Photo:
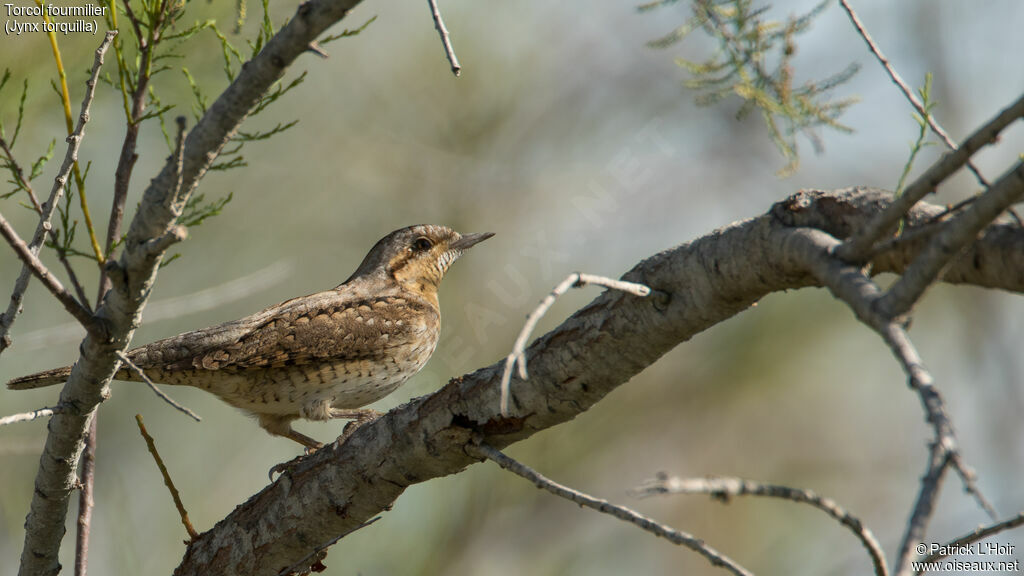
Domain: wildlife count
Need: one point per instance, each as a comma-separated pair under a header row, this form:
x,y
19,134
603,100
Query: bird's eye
x,y
422,244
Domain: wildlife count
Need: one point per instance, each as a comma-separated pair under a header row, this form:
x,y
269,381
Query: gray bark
x,y
696,285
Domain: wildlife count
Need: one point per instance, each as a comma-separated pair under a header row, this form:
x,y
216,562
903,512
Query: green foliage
x,y
198,209
922,134
195,211
17,177
922,122
346,33
747,42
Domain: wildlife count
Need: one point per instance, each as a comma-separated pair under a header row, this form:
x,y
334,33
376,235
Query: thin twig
x,y
858,246
957,233
28,416
979,533
312,558
622,513
877,51
74,142
85,500
65,97
19,177
574,280
160,393
32,262
723,488
167,479
849,283
445,40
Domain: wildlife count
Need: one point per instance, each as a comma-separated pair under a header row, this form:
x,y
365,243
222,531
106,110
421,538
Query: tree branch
x,y
622,513
445,40
955,234
857,248
133,275
33,264
28,416
571,368
925,115
74,142
725,488
979,533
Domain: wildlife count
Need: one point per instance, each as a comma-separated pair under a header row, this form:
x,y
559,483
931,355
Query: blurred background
x,y
578,145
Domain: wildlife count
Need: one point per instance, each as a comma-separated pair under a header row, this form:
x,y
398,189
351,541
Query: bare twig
x,y
858,246
319,553
574,280
65,97
19,177
137,269
848,283
167,479
954,236
28,416
723,488
622,513
32,262
85,500
877,51
973,536
160,393
74,142
445,40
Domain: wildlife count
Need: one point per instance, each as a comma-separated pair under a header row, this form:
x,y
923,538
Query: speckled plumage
x,y
320,356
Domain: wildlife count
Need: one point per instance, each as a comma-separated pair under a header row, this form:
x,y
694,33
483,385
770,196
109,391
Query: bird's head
x,y
417,257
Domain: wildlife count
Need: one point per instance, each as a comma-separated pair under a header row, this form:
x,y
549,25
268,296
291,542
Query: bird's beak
x,y
467,241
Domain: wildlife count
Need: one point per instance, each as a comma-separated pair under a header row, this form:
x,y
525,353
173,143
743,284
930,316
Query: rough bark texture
x,y
151,233
697,285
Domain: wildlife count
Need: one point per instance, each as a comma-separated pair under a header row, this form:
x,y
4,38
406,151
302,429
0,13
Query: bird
x,y
316,357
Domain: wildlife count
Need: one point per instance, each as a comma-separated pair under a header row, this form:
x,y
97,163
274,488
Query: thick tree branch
x,y
571,368
133,275
955,234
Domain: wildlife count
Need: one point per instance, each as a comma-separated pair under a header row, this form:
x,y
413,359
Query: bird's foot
x,y
288,466
359,417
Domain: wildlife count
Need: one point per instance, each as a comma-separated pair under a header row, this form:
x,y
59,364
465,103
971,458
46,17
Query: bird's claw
x,y
288,466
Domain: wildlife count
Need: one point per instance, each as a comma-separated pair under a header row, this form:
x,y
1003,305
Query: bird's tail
x,y
41,379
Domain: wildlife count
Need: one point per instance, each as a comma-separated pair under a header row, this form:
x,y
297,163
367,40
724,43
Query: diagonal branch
x,y
622,513
133,275
947,243
723,489
857,247
37,268
74,142
848,283
574,366
574,280
445,39
898,80
980,533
